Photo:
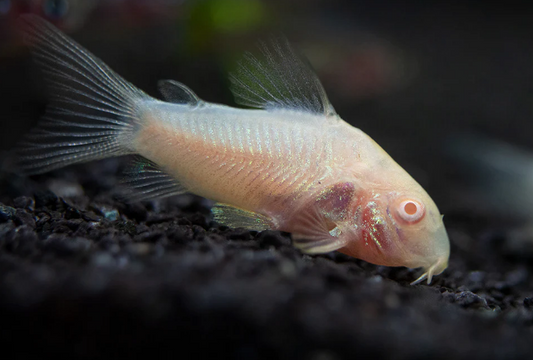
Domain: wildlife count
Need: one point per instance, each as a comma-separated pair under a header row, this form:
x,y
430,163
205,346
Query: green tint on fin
x,y
175,92
318,246
235,218
145,181
280,79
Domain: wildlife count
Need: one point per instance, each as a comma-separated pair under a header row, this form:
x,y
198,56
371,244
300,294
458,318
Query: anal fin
x,y
146,181
235,217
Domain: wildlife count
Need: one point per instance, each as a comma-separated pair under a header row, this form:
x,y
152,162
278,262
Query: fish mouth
x,y
438,262
438,267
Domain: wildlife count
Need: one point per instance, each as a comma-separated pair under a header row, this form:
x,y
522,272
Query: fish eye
x,y
411,211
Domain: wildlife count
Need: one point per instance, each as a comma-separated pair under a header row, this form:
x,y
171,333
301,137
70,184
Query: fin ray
x,y
146,181
176,92
314,234
92,111
317,245
235,217
280,80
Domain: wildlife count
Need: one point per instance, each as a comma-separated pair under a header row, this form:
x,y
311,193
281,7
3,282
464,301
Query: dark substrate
x,y
84,275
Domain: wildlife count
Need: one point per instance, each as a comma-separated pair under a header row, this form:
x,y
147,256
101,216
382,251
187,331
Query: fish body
x,y
292,164
257,160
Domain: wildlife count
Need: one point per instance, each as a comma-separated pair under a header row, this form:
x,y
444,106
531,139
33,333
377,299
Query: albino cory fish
x,y
291,165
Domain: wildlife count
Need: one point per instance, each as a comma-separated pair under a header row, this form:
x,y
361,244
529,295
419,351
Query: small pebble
x,y
45,198
111,215
6,212
23,218
24,202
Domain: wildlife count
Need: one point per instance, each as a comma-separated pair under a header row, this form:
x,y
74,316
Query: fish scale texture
x,y
83,275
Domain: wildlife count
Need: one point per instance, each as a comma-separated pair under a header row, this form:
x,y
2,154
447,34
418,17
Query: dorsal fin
x,y
146,181
176,92
280,79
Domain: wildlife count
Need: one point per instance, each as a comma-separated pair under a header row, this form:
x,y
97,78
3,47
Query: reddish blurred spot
x,y
358,70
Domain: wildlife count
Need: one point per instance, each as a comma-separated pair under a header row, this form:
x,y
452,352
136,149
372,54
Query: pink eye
x,y
411,211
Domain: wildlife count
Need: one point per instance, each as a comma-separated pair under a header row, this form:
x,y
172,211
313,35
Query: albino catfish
x,y
292,164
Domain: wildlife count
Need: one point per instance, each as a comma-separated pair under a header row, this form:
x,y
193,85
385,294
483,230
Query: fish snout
x,y
435,261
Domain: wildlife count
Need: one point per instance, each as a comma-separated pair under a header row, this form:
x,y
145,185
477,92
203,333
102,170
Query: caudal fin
x,y
93,112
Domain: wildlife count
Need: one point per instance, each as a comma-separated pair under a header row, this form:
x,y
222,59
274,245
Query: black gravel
x,y
86,276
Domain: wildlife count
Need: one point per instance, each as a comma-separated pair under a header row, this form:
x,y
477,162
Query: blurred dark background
x,y
445,87
408,74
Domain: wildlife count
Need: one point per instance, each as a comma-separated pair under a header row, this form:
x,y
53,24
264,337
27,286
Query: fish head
x,y
397,228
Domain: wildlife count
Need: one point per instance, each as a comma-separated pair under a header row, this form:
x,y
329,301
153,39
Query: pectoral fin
x,y
317,245
235,217
317,229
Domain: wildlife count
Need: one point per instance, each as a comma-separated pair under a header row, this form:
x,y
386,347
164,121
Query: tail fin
x,y
92,112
